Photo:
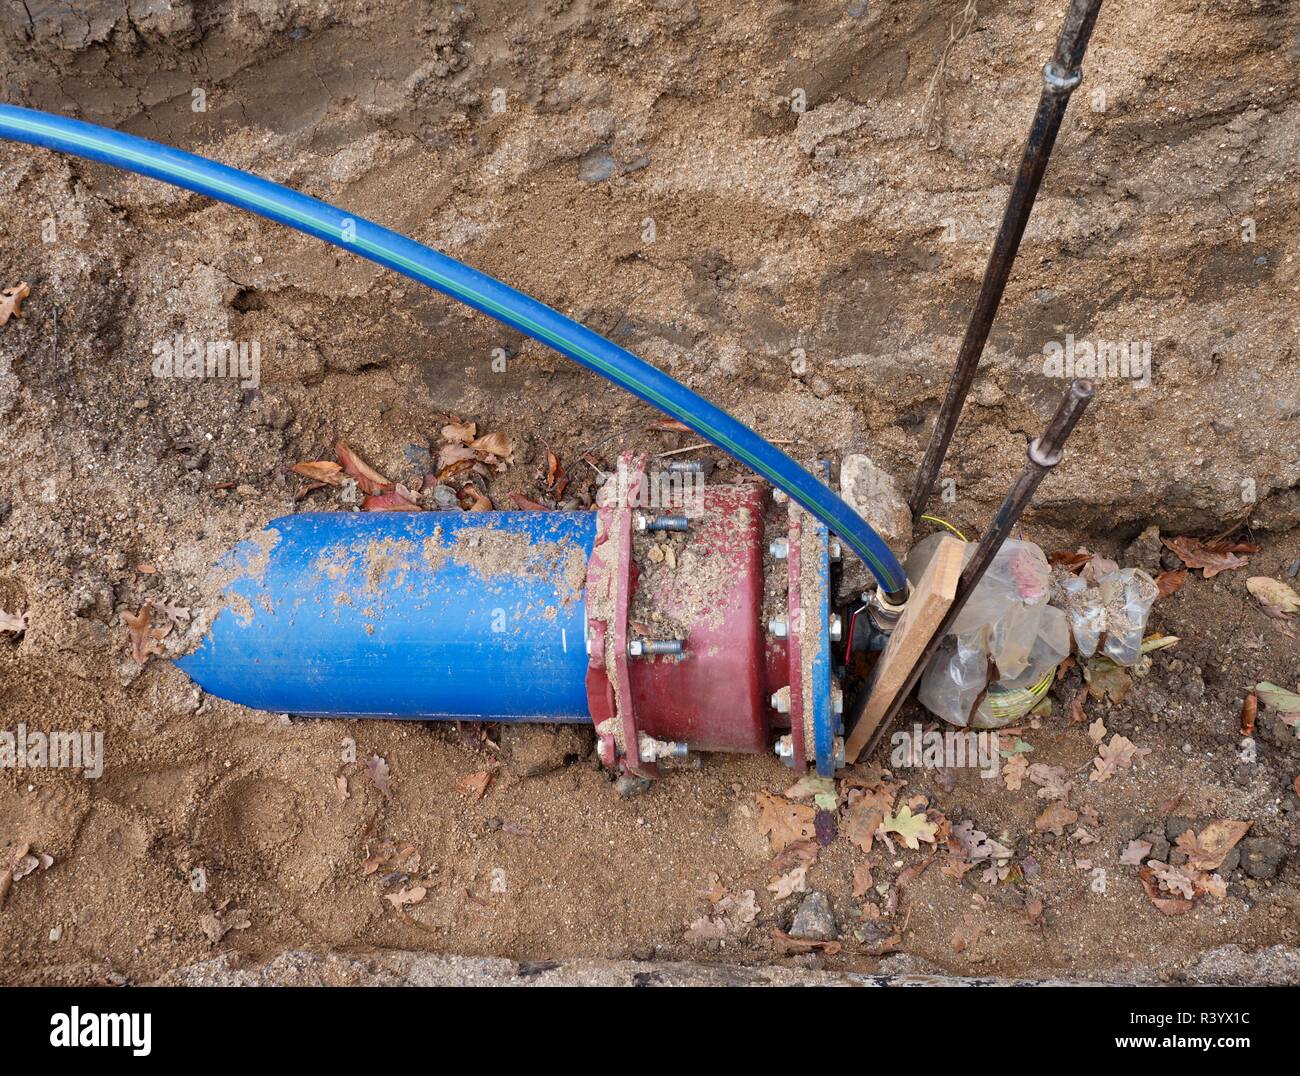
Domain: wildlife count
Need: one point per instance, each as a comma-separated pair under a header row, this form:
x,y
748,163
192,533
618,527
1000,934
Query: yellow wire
x,y
945,523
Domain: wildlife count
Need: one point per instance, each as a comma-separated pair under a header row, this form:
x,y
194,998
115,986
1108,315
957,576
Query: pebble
x,y
1262,857
814,919
596,166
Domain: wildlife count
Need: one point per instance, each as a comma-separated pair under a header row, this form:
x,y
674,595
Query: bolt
x,y
704,467
662,523
777,628
779,704
651,749
779,496
837,628
780,549
836,550
784,747
637,648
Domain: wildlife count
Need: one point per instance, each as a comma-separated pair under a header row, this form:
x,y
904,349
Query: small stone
x,y
1144,551
1176,825
1262,857
418,457
596,165
629,784
1159,846
814,919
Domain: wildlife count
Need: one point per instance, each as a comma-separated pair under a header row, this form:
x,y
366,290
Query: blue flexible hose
x,y
471,287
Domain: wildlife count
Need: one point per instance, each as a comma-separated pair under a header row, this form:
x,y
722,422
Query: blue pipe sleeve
x,y
459,281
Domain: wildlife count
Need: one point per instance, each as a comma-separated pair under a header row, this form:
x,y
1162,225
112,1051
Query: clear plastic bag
x,y
1006,630
999,660
1117,606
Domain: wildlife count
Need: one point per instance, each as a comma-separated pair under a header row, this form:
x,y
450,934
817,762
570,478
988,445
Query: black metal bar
x,y
1060,77
1044,453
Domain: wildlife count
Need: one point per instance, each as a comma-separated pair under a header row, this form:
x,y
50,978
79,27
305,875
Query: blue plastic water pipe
x,y
477,615
468,285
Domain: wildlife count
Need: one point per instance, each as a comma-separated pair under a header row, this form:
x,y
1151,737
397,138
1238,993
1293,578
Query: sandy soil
x,y
835,231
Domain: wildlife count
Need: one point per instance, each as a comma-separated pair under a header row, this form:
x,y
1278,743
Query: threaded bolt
x,y
662,523
777,628
780,549
638,648
837,628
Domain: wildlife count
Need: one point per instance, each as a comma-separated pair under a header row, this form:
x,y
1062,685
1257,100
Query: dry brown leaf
x,y
11,301
784,822
1135,852
1249,711
367,478
1051,781
910,874
863,882
1014,770
1210,559
500,445
1170,582
326,471
860,824
1071,561
786,885
454,459
880,797
403,897
1119,754
377,768
459,431
794,854
957,868
475,784
1056,818
145,639
1274,595
472,500
1167,905
1097,731
1207,850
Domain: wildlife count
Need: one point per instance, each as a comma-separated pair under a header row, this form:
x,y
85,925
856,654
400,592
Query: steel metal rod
x,y
1044,453
1060,77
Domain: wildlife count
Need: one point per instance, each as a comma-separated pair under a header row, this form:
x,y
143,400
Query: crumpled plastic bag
x,y
999,659
1118,606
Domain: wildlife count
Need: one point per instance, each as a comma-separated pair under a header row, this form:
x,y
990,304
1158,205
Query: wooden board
x,y
931,597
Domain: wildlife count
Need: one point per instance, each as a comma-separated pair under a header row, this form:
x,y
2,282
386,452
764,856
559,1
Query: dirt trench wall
x,y
831,234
